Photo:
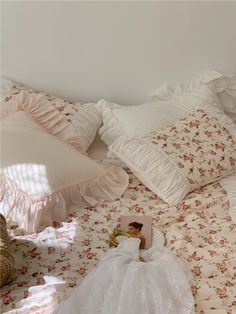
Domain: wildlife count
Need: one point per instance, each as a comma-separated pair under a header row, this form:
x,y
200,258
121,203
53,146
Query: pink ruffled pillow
x,y
70,121
41,177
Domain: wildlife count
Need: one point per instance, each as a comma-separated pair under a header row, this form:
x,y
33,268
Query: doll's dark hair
x,y
136,225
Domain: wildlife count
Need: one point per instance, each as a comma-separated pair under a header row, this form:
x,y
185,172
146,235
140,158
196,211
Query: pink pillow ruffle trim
x,y
34,215
46,115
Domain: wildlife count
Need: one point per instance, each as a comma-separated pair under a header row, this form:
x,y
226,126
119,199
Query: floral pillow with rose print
x,y
192,152
82,120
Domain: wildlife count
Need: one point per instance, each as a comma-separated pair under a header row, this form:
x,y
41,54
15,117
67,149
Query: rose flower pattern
x,y
202,148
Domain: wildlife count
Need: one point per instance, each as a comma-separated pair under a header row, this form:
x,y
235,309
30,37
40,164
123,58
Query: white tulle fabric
x,y
122,284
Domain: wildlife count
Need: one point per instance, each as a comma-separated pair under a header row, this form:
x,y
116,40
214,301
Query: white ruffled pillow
x,y
83,120
192,152
142,119
41,176
222,84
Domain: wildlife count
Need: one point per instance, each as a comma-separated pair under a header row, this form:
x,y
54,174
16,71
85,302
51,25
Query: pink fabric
x,y
46,115
34,215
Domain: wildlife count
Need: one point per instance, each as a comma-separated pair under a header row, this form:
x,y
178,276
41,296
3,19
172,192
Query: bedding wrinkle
x,y
229,184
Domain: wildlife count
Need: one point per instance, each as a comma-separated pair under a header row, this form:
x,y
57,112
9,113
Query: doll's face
x,y
133,230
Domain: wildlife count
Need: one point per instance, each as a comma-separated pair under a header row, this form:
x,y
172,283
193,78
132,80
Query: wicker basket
x,y
6,259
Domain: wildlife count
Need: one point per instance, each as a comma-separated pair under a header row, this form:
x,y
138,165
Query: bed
x,y
123,53
48,265
200,229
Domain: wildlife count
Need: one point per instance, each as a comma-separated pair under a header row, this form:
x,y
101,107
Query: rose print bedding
x,y
199,231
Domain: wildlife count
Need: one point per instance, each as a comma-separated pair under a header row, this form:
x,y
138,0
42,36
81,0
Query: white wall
x,y
116,50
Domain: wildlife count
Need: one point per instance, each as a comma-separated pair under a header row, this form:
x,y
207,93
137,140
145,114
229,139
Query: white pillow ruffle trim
x,y
223,84
219,82
111,128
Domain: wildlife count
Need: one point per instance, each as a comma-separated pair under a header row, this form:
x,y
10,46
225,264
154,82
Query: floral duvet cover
x,y
199,231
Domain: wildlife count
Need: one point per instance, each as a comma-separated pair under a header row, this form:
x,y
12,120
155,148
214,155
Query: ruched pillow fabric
x,y
192,152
